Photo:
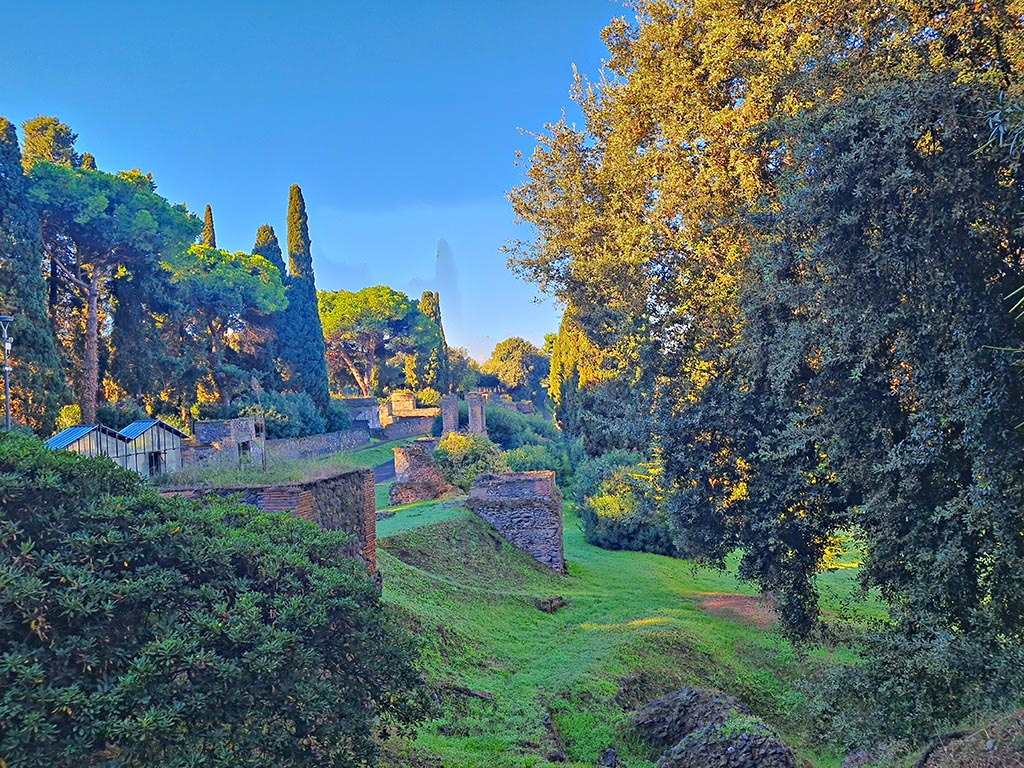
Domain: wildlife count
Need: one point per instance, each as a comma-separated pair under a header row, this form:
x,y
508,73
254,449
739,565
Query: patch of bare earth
x,y
757,610
997,745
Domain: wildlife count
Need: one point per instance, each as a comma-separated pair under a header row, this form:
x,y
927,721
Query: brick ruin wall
x,y
526,508
343,502
416,477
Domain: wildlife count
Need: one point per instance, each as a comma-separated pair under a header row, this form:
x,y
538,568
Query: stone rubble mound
x,y
703,728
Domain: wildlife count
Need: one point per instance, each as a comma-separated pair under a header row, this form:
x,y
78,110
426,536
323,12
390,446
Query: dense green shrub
x,y
338,416
141,631
428,397
510,428
914,684
589,473
462,457
527,458
288,414
619,506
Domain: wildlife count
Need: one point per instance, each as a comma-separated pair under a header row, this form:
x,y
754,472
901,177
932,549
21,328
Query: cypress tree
x,y
38,387
88,162
430,305
302,336
269,248
209,235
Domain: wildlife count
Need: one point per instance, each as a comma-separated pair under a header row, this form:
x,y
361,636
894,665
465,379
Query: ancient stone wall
x,y
477,414
342,502
363,409
416,477
449,414
526,508
409,427
228,442
293,448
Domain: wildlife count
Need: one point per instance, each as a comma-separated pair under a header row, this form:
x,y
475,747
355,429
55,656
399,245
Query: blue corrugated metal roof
x,y
72,435
136,428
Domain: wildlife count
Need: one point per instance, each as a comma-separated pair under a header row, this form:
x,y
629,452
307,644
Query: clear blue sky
x,y
400,121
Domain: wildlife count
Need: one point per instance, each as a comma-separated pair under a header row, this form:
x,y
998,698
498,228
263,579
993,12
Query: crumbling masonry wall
x,y
342,502
526,508
416,477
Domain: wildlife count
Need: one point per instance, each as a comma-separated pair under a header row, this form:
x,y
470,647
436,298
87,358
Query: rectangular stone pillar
x,y
449,414
477,415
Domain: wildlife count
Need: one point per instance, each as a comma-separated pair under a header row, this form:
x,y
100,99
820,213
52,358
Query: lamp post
x,y
5,321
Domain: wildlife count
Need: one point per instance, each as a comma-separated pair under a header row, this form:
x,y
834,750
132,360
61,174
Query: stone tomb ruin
x,y
526,508
477,414
416,477
345,501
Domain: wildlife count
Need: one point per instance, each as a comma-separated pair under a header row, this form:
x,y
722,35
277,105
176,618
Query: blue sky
x,y
400,122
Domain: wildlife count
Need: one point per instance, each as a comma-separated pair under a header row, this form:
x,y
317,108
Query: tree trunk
x,y
357,377
91,364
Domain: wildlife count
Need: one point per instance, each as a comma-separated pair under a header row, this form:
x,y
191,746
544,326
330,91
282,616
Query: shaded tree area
x,y
37,379
378,340
520,368
133,303
780,224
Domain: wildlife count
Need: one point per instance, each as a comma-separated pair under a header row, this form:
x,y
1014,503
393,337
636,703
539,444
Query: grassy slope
x,y
282,471
634,629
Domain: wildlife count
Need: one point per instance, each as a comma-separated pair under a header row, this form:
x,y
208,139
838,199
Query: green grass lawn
x,y
635,628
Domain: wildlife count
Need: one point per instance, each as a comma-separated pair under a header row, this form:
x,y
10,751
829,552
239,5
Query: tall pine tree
x,y
209,235
301,334
37,381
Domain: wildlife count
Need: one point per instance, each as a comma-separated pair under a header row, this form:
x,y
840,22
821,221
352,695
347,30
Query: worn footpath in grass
x,y
518,686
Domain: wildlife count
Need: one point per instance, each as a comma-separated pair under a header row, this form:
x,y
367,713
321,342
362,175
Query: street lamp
x,y
5,321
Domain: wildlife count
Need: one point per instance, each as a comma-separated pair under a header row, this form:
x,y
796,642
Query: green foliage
x,y
209,236
549,456
462,457
38,387
49,140
136,629
339,418
521,368
794,231
300,333
624,512
510,429
101,231
228,301
288,414
379,340
120,414
428,397
463,371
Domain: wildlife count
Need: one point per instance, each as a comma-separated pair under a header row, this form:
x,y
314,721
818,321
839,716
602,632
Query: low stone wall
x,y
413,426
317,445
526,508
342,502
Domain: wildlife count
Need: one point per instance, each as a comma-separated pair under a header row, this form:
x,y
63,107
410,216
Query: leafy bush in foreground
x,y
141,631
